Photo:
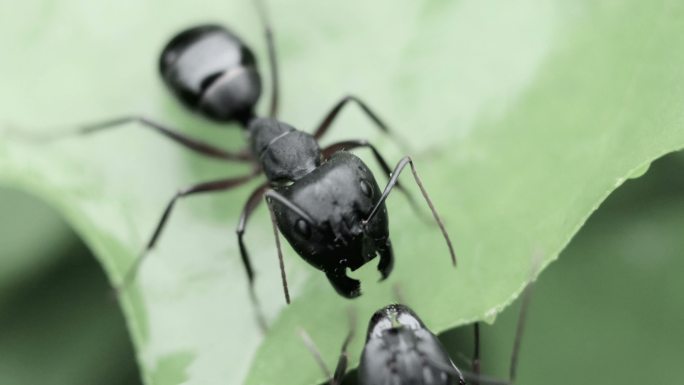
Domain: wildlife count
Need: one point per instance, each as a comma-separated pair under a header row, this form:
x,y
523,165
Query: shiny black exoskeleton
x,y
213,72
401,350
325,201
322,201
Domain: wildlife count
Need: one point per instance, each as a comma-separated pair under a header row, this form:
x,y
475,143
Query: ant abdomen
x,y
213,72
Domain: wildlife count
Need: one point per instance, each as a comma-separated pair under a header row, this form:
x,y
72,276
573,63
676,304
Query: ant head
x,y
337,197
393,318
285,154
213,72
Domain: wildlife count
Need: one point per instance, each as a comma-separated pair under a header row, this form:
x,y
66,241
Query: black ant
x,y
400,349
325,201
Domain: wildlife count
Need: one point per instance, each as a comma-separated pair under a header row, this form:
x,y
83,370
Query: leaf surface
x,y
522,115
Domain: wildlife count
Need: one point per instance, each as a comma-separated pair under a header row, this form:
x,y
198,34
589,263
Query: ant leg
x,y
214,186
195,145
332,114
392,183
386,259
272,194
272,57
519,331
342,361
343,284
476,377
476,352
352,144
250,206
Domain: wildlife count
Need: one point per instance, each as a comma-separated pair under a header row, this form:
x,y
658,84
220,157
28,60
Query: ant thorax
x,y
284,153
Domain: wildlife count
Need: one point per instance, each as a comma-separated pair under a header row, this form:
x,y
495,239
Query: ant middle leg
x,y
188,142
252,203
323,127
214,186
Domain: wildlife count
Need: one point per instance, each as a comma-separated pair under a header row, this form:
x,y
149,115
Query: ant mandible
x,y
326,202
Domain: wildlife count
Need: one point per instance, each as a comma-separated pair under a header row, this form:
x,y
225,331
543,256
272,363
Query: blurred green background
x,y
609,311
59,323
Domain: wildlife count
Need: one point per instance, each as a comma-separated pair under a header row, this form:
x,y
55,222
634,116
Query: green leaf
x,y
56,324
613,300
523,116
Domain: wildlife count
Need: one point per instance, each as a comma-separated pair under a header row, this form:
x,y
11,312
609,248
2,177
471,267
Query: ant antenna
x,y
273,62
398,291
393,182
283,276
311,346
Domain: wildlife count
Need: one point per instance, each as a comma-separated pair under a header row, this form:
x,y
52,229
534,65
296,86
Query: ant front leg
x,y
215,186
332,115
252,203
192,144
476,352
393,182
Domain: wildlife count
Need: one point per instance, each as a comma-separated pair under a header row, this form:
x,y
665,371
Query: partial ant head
x,y
213,72
401,350
393,317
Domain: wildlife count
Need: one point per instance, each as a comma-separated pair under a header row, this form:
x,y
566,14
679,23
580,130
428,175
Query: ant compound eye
x,y
366,188
303,228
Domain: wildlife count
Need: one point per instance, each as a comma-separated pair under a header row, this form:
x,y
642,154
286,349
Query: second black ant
x,y
325,201
399,349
